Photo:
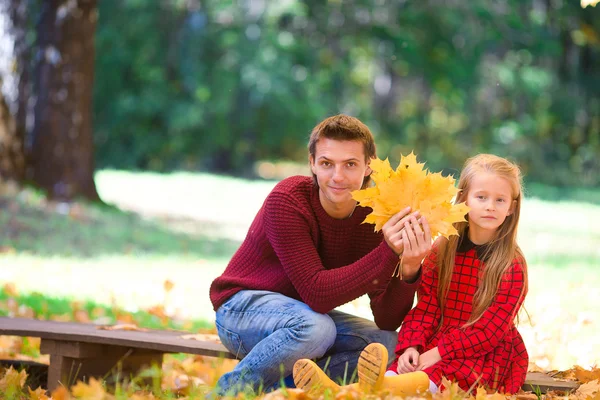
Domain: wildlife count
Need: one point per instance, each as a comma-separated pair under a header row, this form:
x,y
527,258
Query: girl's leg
x,y
353,335
269,332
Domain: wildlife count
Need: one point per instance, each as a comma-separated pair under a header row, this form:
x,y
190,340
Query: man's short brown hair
x,y
343,127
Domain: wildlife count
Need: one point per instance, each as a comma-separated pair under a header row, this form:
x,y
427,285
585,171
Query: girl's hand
x,y
393,230
408,361
429,358
416,243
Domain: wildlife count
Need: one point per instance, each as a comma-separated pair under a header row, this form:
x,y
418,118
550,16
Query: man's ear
x,y
311,161
368,171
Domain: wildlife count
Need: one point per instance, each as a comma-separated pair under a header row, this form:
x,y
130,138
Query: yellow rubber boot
x,y
371,367
409,384
309,377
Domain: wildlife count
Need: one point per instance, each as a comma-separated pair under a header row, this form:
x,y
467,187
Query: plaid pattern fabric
x,y
490,352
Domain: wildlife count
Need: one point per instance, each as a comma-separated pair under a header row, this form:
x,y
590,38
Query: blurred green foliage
x,y
217,85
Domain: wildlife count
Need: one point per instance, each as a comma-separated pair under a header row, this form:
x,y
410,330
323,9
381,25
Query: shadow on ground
x,y
31,224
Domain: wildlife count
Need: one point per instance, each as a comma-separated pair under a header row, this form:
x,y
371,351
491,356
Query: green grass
x,y
34,226
46,307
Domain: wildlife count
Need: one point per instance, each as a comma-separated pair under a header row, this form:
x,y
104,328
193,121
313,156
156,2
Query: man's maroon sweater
x,y
295,248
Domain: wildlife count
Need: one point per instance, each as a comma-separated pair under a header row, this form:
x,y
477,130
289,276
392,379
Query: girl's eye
x,y
481,197
501,200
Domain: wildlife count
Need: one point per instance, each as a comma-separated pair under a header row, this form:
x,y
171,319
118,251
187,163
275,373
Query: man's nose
x,y
338,172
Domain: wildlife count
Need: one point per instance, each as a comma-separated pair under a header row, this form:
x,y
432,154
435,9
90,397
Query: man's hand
x,y
408,361
429,358
393,229
416,243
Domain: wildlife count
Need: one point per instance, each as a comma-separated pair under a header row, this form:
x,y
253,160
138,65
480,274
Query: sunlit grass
x,y
186,227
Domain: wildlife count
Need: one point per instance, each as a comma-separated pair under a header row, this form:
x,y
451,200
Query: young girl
x,y
472,287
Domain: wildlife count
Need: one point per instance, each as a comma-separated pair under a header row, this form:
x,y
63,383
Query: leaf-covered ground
x,y
180,237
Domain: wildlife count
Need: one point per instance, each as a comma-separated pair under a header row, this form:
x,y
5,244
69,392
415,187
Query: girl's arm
x,y
421,321
485,334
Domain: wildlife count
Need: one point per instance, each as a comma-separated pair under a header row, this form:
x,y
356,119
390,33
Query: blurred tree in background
x,y
217,85
50,83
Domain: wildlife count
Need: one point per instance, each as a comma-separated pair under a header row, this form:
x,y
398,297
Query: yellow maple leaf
x,y
410,185
38,394
90,391
12,380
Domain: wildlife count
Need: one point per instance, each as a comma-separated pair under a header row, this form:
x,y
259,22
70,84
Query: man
x,y
306,253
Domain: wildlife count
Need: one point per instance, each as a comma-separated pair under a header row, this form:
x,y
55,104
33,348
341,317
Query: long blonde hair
x,y
502,249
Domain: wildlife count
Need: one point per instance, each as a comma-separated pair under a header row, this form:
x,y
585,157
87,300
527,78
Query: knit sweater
x,y
295,248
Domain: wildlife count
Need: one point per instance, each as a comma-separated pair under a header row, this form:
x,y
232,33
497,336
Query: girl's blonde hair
x,y
502,249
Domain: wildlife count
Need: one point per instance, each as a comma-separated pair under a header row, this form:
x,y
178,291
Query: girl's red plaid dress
x,y
489,352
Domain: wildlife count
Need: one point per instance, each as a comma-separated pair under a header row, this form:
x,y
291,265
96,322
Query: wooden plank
x,y
159,340
71,349
543,382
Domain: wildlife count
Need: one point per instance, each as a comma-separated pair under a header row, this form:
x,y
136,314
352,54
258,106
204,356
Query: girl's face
x,y
491,201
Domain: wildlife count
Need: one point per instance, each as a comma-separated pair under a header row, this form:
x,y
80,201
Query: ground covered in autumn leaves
x,y
89,256
189,376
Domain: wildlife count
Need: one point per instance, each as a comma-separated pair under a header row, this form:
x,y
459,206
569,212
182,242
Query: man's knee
x,y
318,332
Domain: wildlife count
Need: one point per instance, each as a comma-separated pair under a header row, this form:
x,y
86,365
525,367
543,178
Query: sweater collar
x,y
465,244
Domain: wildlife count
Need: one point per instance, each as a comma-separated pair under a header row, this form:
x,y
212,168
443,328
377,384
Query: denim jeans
x,y
269,332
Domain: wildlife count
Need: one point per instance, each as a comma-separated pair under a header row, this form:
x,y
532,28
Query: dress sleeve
x,y
485,334
288,230
421,321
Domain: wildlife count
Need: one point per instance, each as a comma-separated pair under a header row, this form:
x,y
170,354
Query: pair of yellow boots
x,y
372,365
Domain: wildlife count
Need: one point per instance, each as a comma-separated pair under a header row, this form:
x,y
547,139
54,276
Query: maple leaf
x,y
38,394
589,390
60,393
121,327
12,380
90,391
411,186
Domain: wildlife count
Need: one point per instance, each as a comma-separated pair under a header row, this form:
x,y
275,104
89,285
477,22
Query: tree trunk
x,y
62,157
13,78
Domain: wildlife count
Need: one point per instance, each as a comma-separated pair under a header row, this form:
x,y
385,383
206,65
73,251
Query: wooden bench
x,y
80,351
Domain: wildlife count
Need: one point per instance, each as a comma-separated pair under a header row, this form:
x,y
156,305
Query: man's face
x,y
340,168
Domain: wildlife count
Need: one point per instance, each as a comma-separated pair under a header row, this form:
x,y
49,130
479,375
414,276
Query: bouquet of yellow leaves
x,y
411,185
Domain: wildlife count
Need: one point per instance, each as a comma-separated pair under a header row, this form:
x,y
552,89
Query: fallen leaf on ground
x,y
122,327
12,380
203,337
90,391
37,394
589,389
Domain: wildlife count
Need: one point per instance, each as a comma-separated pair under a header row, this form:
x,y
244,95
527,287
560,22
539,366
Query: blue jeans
x,y
269,332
